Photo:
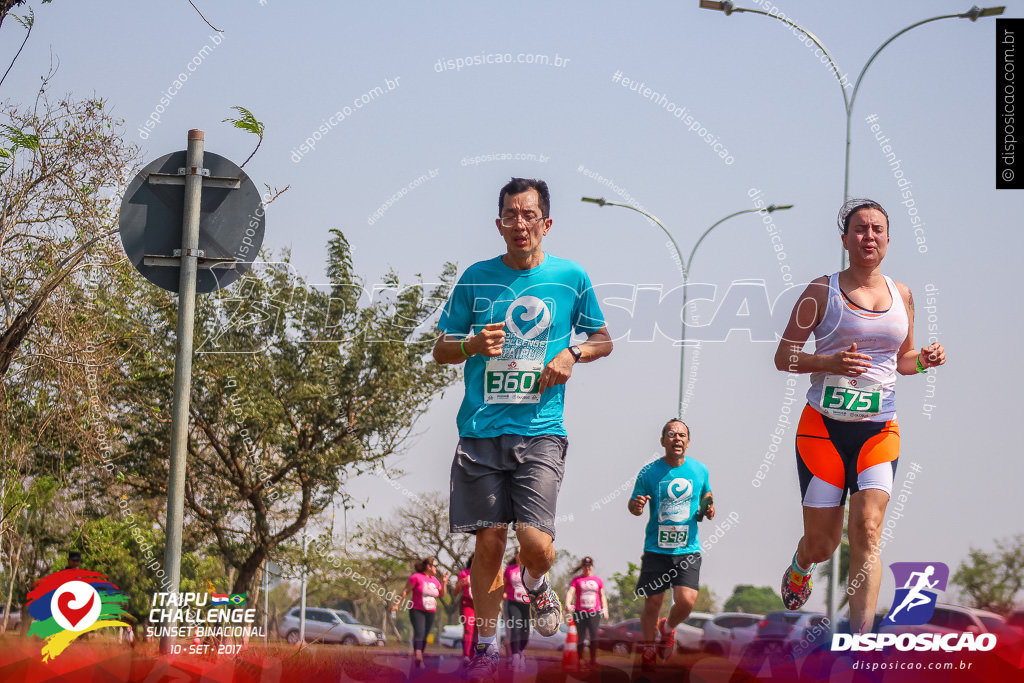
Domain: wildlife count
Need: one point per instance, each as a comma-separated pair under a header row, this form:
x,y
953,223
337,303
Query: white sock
x,y
529,582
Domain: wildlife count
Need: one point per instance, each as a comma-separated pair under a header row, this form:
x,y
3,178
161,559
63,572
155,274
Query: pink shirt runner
x,y
514,588
425,591
588,593
467,592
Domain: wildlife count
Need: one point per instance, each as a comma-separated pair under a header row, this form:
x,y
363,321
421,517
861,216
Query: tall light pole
x,y
685,268
973,14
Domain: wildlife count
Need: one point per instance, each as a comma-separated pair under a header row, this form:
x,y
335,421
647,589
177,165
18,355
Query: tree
x,y
991,581
416,530
706,600
293,389
64,166
622,600
746,598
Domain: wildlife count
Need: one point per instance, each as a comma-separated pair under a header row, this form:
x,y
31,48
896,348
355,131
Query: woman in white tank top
x,y
848,438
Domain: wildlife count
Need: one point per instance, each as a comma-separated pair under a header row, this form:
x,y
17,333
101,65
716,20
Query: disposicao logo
x,y
68,603
921,582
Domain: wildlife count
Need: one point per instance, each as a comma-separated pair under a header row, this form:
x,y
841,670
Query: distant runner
x,y
426,589
678,490
464,587
517,614
588,601
848,438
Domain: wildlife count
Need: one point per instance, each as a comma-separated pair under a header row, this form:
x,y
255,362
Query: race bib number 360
x,y
512,381
850,398
672,536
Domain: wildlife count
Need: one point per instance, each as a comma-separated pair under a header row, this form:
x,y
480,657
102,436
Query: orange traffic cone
x,y
570,658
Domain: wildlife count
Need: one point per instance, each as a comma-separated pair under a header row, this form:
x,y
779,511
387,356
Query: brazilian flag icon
x,y
237,599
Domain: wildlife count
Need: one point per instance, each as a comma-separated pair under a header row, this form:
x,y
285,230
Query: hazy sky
x,y
411,172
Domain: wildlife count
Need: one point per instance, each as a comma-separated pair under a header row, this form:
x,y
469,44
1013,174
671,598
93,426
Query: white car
x,y
727,634
691,631
329,626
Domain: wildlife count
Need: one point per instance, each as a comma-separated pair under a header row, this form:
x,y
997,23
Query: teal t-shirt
x,y
675,494
541,308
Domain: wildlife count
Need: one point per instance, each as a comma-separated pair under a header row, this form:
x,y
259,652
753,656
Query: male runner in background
x,y
677,488
511,319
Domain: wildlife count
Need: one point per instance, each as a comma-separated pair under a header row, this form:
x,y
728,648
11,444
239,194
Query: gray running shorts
x,y
504,479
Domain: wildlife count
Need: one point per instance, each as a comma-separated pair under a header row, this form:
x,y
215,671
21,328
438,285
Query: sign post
x,y
221,234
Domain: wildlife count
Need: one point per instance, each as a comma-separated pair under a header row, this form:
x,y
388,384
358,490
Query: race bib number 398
x,y
672,536
850,398
512,381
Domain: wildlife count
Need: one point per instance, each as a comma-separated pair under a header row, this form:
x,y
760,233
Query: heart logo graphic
x,y
72,614
528,317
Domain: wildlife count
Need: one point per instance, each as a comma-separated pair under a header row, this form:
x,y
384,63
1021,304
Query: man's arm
x,y
558,371
452,350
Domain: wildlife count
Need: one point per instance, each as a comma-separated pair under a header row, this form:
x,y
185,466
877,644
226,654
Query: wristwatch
x,y
576,353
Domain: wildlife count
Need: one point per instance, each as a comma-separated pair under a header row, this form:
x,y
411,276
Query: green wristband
x,y
462,347
920,368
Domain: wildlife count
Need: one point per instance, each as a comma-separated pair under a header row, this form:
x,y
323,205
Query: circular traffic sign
x,y
231,222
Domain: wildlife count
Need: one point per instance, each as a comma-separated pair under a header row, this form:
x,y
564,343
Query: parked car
x,y
727,634
958,618
1016,620
451,636
14,622
689,633
620,638
780,631
329,626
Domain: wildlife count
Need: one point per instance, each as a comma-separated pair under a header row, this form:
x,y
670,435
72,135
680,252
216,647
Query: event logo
x,y
68,603
528,317
914,603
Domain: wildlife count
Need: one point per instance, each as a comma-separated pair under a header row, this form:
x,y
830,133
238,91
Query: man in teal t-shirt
x,y
679,493
511,320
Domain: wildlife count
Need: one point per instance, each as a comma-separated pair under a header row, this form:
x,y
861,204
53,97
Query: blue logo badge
x,y
917,588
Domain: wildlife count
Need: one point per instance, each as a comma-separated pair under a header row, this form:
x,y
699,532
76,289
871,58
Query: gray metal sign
x,y
231,222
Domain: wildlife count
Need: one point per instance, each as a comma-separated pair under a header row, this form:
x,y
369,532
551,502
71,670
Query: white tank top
x,y
872,395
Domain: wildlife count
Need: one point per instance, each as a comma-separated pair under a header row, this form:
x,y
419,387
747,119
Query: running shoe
x,y
545,609
648,661
796,588
485,661
666,639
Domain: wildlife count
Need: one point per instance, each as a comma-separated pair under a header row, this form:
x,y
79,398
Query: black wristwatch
x,y
576,353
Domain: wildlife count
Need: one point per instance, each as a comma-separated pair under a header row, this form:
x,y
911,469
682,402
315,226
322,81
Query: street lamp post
x,y
973,14
685,268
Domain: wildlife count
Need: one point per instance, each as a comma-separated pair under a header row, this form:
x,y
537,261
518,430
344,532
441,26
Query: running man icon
x,y
914,597
918,585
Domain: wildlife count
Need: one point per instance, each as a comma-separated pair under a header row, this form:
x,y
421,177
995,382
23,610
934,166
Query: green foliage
x,y
247,121
992,581
621,590
295,389
753,600
706,601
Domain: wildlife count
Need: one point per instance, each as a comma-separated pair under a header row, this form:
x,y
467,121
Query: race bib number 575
x,y
850,398
512,381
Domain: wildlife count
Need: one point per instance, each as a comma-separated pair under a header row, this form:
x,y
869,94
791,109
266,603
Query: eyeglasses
x,y
513,221
673,435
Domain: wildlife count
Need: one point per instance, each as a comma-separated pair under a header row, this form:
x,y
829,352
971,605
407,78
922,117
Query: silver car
x,y
329,626
727,634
